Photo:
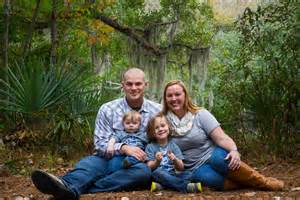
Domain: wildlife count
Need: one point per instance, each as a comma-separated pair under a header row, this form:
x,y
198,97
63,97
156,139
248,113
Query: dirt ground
x,y
21,188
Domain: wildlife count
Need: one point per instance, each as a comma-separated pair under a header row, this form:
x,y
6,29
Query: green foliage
x,y
269,61
31,88
258,76
38,96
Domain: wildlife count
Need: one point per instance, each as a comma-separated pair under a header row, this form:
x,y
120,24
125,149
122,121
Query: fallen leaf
x,y
250,194
295,189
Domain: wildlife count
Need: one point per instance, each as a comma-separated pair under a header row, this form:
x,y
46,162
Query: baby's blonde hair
x,y
132,116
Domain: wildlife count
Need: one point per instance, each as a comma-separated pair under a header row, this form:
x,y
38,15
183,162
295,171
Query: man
x,y
89,174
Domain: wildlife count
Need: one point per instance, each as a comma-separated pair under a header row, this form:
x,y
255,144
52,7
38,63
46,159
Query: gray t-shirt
x,y
197,146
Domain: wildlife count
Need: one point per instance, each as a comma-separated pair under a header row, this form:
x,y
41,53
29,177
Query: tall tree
x,y
5,35
53,55
28,37
160,34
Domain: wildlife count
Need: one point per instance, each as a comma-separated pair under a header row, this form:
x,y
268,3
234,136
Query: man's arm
x,y
103,131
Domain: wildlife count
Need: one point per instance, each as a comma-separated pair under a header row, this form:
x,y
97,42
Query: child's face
x,y
131,126
161,128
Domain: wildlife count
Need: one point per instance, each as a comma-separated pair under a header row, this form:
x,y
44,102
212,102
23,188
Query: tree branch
x,y
186,46
130,33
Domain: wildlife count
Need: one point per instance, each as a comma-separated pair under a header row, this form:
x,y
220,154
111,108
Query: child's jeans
x,y
172,180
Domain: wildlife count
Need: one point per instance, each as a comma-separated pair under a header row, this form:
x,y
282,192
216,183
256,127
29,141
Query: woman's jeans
x,y
214,171
90,176
172,180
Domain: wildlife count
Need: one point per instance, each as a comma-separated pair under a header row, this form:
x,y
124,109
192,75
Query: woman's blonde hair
x,y
151,126
188,104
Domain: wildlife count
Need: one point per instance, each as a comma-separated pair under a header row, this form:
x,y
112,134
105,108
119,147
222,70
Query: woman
x,y
212,155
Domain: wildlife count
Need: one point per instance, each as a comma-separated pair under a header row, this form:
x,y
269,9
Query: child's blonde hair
x,y
151,126
132,116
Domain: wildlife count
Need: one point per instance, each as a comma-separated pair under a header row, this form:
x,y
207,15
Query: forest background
x,y
61,60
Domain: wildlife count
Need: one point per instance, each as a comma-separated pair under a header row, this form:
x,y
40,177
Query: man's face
x,y
134,85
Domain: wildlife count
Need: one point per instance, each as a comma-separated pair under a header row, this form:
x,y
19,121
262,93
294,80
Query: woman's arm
x,y
224,141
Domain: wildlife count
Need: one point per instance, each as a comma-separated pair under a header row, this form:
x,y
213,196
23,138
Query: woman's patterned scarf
x,y
180,127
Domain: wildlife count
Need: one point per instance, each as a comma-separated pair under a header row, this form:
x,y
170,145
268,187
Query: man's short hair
x,y
133,69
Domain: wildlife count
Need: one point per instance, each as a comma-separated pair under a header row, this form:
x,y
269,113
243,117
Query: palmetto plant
x,y
37,97
31,88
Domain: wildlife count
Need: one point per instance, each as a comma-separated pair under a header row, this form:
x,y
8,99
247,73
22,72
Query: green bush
x,y
35,97
257,84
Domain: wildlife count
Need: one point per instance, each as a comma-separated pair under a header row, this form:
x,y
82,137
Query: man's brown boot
x,y
248,176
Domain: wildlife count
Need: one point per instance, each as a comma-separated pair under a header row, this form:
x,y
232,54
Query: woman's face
x,y
175,99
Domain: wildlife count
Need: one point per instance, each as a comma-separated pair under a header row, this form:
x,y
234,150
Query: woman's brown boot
x,y
248,176
230,185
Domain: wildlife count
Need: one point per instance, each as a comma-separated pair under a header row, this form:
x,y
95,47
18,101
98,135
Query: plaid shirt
x,y
109,120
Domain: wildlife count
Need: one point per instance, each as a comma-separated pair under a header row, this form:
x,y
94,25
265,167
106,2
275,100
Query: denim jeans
x,y
116,163
137,176
214,171
132,160
85,173
90,176
172,180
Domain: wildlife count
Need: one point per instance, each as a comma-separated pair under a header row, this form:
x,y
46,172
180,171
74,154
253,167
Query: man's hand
x,y
110,151
133,151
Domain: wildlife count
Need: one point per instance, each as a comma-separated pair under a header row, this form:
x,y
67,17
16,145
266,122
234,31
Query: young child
x,y
165,159
130,136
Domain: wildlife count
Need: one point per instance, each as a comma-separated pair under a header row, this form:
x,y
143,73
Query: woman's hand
x,y
234,159
224,141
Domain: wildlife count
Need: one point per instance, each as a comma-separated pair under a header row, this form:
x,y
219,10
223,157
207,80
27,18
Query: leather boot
x,y
231,185
248,176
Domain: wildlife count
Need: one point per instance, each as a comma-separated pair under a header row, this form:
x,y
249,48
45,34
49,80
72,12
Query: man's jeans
x,y
214,171
116,162
172,180
90,176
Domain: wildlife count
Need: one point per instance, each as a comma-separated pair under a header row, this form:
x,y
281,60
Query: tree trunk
x,y
53,34
27,41
5,35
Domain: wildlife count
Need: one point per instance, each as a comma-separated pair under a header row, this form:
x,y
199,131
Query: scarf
x,y
180,127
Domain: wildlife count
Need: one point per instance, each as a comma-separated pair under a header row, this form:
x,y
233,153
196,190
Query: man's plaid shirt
x,y
109,120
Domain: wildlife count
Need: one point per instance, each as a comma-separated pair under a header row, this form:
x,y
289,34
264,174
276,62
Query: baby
x,y
130,136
